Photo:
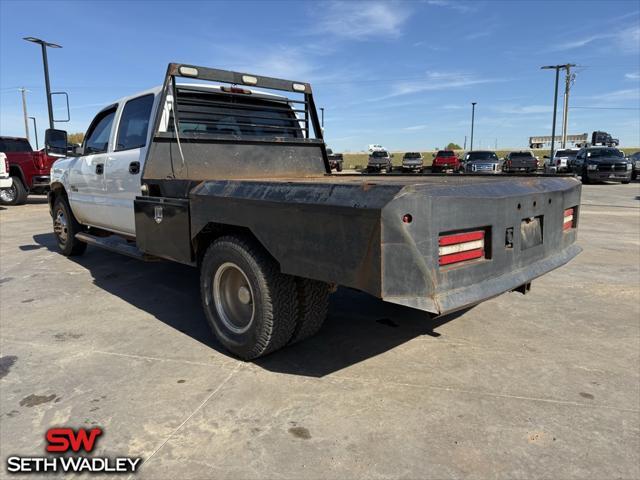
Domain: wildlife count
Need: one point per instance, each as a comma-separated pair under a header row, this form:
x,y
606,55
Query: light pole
x,y
45,63
35,131
23,91
473,116
322,117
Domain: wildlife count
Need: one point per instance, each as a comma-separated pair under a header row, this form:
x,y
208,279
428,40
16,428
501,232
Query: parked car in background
x,y
5,179
335,160
635,160
481,161
379,160
412,162
29,170
523,161
446,161
602,164
560,161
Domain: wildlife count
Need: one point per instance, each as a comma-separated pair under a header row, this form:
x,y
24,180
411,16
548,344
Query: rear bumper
x,y
5,182
412,166
412,271
457,299
40,181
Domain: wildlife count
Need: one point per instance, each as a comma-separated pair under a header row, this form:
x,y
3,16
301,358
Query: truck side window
x,y
134,123
97,140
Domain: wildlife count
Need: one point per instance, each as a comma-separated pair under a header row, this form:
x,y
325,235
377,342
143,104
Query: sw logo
x,y
65,440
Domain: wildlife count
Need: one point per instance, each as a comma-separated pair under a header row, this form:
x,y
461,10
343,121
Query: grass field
x,y
359,160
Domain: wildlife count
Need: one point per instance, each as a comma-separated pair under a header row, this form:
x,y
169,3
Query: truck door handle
x,y
99,168
134,168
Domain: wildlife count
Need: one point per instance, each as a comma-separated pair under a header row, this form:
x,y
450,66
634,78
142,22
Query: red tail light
x,y
569,219
38,160
461,247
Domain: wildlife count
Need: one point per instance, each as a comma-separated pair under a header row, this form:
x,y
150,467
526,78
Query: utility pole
x,y
45,64
23,91
565,110
557,68
35,131
465,143
322,114
473,115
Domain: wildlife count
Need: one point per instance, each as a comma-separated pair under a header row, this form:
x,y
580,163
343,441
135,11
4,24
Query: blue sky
x,y
398,73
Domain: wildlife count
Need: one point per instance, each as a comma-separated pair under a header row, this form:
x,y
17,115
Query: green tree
x,y
75,137
453,146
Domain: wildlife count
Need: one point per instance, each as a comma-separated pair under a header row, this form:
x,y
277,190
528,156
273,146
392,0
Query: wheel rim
x,y
8,194
233,297
60,226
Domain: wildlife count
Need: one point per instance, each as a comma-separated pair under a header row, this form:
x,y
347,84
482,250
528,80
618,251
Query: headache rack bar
x,y
212,113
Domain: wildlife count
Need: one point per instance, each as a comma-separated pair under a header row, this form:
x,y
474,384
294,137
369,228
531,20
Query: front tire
x,y
65,227
339,167
16,194
584,177
250,305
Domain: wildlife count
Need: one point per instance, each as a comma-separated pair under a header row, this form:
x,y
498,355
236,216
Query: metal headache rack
x,y
233,112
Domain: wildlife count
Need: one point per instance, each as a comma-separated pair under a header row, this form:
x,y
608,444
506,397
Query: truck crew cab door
x,y
87,176
125,162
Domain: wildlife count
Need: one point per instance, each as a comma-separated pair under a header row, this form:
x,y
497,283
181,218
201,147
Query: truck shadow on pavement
x,y
358,326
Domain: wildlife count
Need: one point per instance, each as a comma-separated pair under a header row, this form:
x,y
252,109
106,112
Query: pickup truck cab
x,y
28,169
412,162
226,176
379,160
523,161
335,160
446,161
600,164
560,161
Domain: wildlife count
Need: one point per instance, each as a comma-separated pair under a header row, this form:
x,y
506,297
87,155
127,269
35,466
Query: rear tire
x,y
626,182
250,305
339,167
65,227
16,194
313,305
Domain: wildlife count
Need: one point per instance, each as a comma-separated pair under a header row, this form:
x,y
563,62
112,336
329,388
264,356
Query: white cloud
x,y
434,81
625,95
360,20
417,127
457,5
523,109
626,41
632,76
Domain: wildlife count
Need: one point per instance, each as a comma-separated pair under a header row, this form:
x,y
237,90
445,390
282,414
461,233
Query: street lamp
x,y
35,130
473,115
45,63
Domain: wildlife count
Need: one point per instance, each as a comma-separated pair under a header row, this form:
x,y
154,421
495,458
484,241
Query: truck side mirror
x,y
55,142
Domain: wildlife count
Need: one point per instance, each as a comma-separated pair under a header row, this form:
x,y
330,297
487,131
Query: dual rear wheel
x,y
253,308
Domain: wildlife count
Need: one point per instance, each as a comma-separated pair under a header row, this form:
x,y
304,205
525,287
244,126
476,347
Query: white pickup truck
x,y
235,180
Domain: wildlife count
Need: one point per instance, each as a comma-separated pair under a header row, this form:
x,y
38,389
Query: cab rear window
x,y
15,145
235,115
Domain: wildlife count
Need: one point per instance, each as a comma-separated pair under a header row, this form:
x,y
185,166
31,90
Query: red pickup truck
x,y
29,170
446,161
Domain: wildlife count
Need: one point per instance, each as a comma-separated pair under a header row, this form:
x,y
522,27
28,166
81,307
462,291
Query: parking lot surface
x,y
545,385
